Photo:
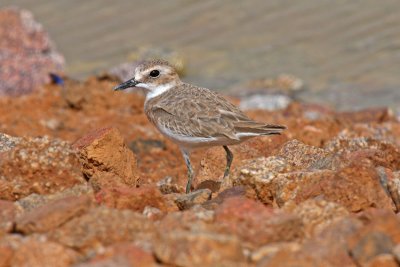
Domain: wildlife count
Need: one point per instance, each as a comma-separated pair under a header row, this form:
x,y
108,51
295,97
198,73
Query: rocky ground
x,y
85,180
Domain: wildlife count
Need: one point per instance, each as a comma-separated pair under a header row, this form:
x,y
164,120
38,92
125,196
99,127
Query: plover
x,y
191,116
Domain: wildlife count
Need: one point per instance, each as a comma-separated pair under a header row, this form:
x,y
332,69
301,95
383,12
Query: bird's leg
x,y
229,159
190,170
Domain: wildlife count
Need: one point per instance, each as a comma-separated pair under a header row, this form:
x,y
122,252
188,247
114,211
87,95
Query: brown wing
x,y
199,112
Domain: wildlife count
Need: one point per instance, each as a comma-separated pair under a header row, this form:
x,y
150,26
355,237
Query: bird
x,y
190,116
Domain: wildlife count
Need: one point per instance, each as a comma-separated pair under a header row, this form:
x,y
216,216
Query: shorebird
x,y
191,116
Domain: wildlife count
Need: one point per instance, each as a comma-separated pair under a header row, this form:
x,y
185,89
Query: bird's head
x,y
156,76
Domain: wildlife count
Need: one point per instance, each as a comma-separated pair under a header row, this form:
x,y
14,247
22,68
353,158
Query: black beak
x,y
128,84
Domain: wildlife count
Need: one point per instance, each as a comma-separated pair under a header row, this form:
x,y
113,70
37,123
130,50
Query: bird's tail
x,y
253,128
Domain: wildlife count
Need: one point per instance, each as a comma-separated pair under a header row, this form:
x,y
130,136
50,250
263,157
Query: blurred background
x,y
342,53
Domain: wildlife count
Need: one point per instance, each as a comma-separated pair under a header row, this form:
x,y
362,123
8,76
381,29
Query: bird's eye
x,y
154,73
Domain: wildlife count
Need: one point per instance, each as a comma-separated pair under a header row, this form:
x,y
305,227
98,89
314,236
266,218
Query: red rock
x,y
102,227
319,214
369,246
305,157
356,187
35,253
106,159
6,254
135,199
186,201
256,224
378,220
383,260
8,212
328,248
122,254
38,165
379,152
52,215
366,115
27,55
185,248
235,191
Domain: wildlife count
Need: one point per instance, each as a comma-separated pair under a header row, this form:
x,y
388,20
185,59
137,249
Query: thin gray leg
x,y
190,170
229,159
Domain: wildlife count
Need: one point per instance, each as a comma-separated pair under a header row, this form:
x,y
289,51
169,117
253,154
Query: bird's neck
x,y
160,89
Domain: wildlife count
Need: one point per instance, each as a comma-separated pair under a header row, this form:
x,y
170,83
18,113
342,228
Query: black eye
x,y
154,73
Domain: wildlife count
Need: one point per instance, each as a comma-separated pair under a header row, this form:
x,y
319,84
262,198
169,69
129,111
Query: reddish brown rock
x,y
382,260
27,54
305,157
168,185
378,220
318,214
122,255
328,248
106,159
259,174
6,254
102,227
52,215
369,246
36,253
135,199
8,212
185,248
186,201
356,187
235,191
256,224
38,165
379,152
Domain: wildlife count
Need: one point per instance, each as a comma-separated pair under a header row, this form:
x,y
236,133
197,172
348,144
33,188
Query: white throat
x,y
159,90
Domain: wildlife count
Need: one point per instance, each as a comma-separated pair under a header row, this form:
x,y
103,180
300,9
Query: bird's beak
x,y
128,84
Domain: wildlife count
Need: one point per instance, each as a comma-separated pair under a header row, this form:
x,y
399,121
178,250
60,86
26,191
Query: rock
x,y
27,54
106,159
380,114
305,157
186,201
8,142
101,227
38,165
268,251
318,214
235,191
256,224
42,253
33,201
122,255
381,153
396,252
370,246
185,248
259,175
212,185
8,212
356,187
377,220
392,182
167,185
328,248
141,145
52,215
6,254
135,199
382,260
